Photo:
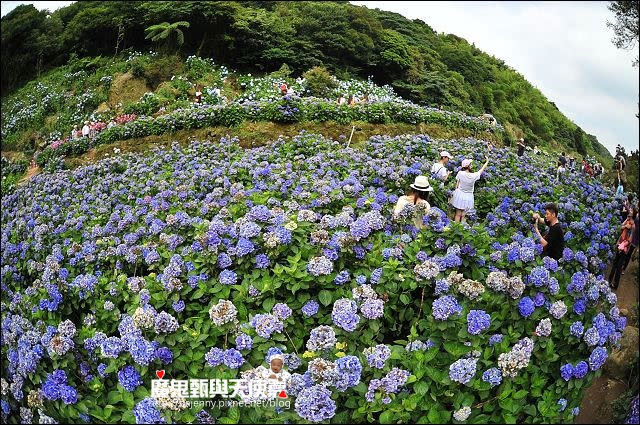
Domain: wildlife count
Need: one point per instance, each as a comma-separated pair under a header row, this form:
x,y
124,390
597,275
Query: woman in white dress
x,y
418,197
462,198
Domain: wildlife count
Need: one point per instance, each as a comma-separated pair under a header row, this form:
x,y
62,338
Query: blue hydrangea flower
x,y
310,308
492,376
526,306
477,321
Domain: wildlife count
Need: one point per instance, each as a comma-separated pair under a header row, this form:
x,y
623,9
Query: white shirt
x,y
467,180
439,170
406,200
85,130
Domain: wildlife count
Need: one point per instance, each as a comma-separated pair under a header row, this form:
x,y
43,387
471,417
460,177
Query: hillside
x,y
351,41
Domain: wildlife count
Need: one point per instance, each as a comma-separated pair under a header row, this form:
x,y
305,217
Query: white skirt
x,y
462,200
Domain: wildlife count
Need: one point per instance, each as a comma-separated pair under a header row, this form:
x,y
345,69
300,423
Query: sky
x,y
562,48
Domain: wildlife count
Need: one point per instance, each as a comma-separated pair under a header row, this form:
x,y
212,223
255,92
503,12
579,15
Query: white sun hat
x,y
445,153
422,183
275,357
466,163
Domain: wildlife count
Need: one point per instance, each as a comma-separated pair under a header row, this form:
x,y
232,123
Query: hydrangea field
x,y
204,260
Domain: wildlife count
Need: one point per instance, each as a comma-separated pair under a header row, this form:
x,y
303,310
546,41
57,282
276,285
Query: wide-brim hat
x,y
466,163
445,153
422,183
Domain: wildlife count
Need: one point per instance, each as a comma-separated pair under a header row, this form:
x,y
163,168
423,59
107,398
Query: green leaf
x,y
386,417
325,297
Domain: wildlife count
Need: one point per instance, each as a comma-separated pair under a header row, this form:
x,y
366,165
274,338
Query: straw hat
x,y
422,183
445,153
466,163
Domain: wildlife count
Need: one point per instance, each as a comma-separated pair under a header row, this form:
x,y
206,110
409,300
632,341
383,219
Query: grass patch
x,y
126,88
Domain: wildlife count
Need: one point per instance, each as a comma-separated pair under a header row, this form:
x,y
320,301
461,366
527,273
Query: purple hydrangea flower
x,y
477,321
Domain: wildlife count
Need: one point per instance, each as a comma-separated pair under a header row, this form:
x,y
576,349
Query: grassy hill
x,y
259,37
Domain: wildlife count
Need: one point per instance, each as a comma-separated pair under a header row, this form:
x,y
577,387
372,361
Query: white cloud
x,y
562,48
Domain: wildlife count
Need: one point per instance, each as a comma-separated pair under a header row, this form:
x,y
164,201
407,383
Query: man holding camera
x,y
553,241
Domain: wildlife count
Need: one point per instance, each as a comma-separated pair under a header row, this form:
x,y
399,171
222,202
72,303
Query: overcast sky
x,y
562,48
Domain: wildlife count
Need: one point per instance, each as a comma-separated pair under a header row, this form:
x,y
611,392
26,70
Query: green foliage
x,y
319,81
169,36
578,141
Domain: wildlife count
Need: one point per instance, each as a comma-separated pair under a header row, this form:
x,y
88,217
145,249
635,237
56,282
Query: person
x,y
111,124
366,98
620,188
521,146
553,241
572,161
283,89
588,170
634,238
341,100
350,102
86,129
620,163
439,168
462,198
290,91
536,150
562,162
624,210
419,197
75,133
275,371
622,248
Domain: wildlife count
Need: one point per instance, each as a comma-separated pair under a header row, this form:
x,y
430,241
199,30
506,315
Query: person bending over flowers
x,y
420,191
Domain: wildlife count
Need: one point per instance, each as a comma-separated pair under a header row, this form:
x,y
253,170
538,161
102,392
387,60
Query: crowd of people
x,y
553,244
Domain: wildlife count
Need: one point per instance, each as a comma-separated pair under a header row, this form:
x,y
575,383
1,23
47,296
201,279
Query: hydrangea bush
x,y
205,261
287,109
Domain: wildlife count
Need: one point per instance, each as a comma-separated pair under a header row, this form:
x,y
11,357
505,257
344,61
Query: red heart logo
x,y
282,394
160,373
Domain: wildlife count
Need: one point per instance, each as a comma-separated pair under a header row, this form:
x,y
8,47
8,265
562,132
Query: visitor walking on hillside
x,y
283,89
75,133
342,100
462,198
553,241
634,238
521,147
351,101
623,245
198,98
86,129
419,197
439,168
562,163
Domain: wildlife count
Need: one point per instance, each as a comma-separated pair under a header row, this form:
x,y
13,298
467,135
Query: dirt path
x,y
596,404
31,171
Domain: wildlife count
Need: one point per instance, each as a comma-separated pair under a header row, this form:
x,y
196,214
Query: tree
x,y
168,35
578,141
625,28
